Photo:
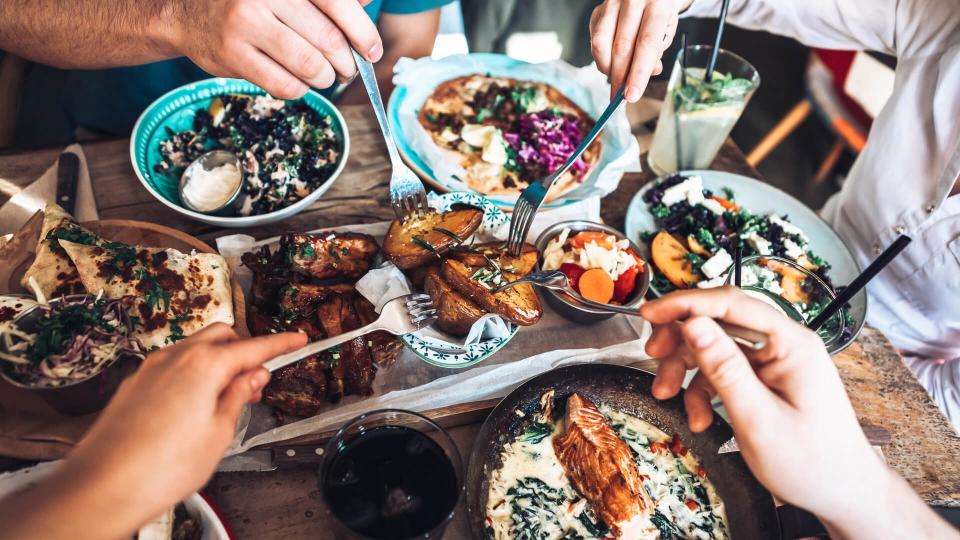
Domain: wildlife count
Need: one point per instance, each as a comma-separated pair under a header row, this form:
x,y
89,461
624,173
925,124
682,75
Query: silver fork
x,y
402,315
558,281
532,197
407,194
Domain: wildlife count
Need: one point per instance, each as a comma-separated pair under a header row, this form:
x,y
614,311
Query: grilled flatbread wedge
x,y
519,304
176,294
506,133
52,270
423,240
601,468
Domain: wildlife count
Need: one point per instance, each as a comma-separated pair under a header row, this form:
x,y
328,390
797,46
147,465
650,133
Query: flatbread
x,y
456,96
52,270
176,294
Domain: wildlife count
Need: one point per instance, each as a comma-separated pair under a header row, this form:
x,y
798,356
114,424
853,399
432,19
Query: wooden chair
x,y
834,101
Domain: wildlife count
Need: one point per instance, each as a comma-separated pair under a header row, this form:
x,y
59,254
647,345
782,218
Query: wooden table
x,y
285,503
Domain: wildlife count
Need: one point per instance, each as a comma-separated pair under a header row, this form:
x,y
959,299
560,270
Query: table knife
x,y
68,176
876,435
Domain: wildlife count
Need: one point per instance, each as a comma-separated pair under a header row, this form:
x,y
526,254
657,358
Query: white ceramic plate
x,y
761,198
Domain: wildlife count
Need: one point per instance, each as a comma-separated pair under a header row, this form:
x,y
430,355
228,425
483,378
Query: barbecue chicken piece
x,y
329,255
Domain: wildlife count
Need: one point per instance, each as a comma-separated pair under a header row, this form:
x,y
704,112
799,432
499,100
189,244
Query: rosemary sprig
x,y
426,245
451,234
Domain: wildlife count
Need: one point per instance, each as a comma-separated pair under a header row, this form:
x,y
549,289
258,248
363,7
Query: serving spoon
x,y
207,162
558,281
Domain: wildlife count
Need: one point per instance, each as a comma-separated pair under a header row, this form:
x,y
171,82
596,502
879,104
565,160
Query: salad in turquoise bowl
x,y
290,152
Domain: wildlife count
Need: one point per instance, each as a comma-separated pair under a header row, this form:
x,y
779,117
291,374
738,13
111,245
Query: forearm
x,y
89,34
831,24
892,510
410,35
73,502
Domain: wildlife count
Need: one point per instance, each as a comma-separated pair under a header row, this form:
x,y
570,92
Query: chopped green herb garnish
x,y
307,251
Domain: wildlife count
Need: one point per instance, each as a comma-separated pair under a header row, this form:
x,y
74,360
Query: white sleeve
x,y
901,28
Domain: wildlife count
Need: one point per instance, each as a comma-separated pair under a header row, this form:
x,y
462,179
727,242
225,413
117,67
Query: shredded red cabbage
x,y
544,140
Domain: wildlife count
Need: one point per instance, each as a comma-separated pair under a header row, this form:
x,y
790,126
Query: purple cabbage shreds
x,y
544,140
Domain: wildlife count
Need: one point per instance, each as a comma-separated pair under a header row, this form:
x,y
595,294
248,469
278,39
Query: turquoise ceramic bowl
x,y
175,110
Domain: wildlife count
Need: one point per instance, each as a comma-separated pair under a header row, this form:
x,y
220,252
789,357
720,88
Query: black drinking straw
x,y
860,282
716,42
683,59
737,263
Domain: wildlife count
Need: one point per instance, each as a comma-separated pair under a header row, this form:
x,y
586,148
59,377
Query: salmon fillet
x,y
601,468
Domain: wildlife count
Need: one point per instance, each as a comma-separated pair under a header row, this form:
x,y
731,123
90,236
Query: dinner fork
x,y
532,197
407,194
402,315
558,281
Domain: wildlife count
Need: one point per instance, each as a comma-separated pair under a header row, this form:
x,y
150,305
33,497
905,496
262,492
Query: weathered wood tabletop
x,y
285,503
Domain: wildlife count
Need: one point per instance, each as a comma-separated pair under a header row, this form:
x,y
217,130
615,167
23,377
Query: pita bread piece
x,y
52,269
176,294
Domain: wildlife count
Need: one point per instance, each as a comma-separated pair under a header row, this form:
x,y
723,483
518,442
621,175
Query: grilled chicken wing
x,y
602,469
303,298
298,389
384,346
329,255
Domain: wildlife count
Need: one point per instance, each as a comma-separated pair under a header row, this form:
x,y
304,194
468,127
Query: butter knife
x,y
876,435
68,176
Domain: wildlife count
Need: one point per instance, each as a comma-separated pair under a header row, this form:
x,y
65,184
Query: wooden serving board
x,y
18,254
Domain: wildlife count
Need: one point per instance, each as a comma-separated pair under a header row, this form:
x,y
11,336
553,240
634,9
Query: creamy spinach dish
x,y
532,498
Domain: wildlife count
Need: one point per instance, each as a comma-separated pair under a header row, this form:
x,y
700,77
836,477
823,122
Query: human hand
x,y
791,416
628,38
163,433
283,46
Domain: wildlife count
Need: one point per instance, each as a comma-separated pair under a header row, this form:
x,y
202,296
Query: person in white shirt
x,y
906,179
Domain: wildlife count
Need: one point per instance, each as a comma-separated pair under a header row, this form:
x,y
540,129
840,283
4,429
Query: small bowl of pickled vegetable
x,y
72,352
794,291
600,263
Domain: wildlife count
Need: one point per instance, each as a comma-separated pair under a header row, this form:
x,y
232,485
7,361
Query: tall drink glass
x,y
391,474
697,116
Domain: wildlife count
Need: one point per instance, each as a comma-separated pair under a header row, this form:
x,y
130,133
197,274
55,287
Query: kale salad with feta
x,y
699,232
286,148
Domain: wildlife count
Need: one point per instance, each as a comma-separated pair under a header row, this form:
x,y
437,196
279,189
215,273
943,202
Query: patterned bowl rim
x,y
152,113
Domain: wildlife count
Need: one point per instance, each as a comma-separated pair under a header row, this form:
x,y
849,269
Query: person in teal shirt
x,y
96,68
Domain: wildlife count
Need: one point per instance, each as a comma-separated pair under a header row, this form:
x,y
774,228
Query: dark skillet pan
x,y
750,509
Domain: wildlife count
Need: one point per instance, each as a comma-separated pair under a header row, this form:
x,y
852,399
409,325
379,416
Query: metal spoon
x,y
207,162
557,281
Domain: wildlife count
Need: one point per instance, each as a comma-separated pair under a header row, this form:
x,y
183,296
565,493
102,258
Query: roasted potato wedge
x,y
422,241
455,312
497,251
519,305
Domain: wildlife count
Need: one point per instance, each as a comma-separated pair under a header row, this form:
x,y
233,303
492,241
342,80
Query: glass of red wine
x,y
391,474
